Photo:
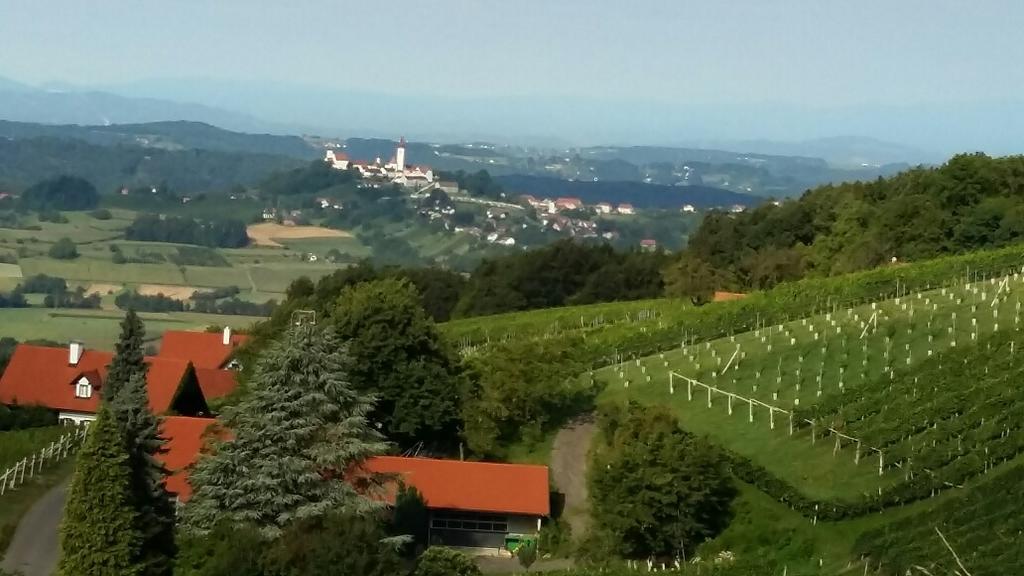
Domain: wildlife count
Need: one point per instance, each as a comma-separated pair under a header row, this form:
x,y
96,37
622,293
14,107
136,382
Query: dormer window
x,y
83,388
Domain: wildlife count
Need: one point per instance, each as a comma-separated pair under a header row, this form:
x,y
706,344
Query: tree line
x,y
214,233
969,203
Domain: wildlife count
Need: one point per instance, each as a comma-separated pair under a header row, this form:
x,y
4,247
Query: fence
x,y
29,466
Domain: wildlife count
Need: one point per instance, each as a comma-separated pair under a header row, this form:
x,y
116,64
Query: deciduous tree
x,y
398,355
657,490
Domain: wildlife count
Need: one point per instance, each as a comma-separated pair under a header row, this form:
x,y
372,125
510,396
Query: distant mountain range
x,y
274,108
22,103
176,135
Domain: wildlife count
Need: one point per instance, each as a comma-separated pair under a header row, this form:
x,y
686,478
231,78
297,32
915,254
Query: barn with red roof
x,y
474,504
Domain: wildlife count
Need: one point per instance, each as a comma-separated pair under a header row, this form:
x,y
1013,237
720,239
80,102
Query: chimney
x,y
75,350
227,336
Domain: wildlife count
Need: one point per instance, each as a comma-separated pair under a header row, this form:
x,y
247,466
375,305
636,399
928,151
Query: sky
x,y
830,59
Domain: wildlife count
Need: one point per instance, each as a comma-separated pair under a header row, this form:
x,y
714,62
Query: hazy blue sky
x,y
802,54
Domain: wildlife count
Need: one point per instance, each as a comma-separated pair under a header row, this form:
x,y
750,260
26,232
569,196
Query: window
x,y
83,389
468,521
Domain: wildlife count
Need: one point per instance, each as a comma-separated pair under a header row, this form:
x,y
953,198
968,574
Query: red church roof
x,y
184,437
203,349
471,486
41,375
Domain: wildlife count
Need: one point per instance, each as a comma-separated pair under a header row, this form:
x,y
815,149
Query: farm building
x,y
487,506
187,373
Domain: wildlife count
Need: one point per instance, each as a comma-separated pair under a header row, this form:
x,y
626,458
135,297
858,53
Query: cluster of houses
x,y
395,171
487,507
549,206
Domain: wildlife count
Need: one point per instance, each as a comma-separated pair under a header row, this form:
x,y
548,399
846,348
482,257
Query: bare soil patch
x,y
569,458
176,292
103,289
265,233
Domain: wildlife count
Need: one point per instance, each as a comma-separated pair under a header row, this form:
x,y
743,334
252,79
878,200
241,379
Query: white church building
x,y
395,171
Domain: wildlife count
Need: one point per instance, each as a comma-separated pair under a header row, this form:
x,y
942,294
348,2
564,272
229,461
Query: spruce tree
x,y
140,432
99,534
129,358
126,393
293,439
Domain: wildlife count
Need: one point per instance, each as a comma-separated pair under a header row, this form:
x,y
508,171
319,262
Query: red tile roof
x,y
41,375
203,349
471,486
216,383
184,437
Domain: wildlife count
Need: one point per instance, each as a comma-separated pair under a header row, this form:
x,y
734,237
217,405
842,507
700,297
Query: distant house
x,y
568,204
625,209
180,380
648,244
737,208
689,208
337,160
603,208
448,187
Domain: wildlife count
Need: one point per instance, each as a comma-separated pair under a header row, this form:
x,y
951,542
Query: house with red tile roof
x,y
479,505
185,439
70,380
203,349
488,506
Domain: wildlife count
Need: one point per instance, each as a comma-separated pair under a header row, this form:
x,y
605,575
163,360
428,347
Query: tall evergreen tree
x,y
140,432
129,358
301,429
128,399
99,535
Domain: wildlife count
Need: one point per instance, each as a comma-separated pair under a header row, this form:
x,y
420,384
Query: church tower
x,y
400,155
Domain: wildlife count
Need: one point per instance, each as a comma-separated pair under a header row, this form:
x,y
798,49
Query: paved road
x,y
34,549
569,471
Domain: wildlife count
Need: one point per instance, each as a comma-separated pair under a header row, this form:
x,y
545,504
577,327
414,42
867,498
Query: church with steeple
x,y
395,171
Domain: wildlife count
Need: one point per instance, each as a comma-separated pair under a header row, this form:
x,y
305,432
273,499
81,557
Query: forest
x,y
971,202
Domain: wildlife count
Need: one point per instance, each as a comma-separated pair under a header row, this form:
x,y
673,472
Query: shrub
x,y
101,214
441,561
63,249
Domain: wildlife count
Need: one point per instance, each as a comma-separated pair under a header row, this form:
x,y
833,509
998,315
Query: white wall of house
x,y
70,417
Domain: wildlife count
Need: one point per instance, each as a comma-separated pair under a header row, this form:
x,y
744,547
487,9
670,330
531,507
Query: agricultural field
x,y
99,329
862,406
261,272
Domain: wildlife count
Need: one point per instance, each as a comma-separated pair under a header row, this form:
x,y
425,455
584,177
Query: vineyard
x,y
856,408
984,525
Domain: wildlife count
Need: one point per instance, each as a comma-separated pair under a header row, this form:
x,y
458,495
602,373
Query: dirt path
x,y
569,459
34,549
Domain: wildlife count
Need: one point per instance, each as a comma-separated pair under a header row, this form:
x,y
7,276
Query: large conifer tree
x,y
125,392
99,535
294,437
129,358
140,432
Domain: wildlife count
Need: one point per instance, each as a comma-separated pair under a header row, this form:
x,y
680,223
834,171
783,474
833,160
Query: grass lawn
x,y
99,329
17,444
